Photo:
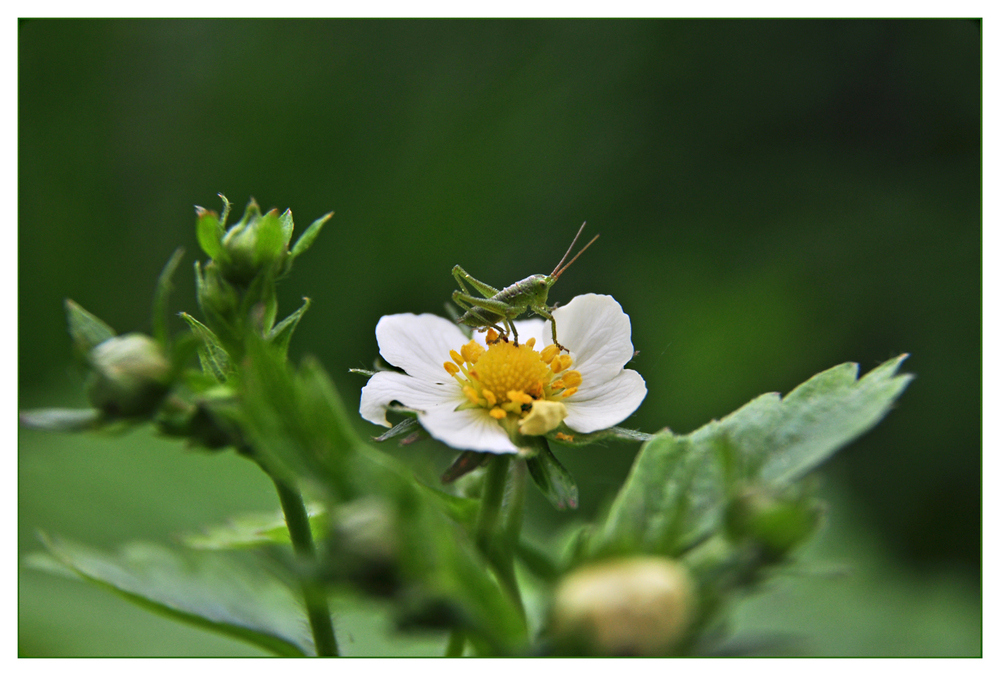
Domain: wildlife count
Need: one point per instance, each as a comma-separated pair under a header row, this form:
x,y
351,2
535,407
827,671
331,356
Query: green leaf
x,y
673,494
295,420
553,480
281,335
254,530
61,419
779,440
213,357
163,287
210,230
206,590
406,426
287,226
570,438
467,461
447,574
678,487
309,236
86,330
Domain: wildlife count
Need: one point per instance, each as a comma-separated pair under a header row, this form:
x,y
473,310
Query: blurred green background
x,y
773,198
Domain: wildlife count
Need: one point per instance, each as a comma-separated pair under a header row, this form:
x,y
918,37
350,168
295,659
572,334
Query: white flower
x,y
477,395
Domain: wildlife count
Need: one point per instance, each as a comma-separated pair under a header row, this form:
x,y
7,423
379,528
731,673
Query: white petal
x,y
387,386
598,334
605,405
469,430
533,328
419,344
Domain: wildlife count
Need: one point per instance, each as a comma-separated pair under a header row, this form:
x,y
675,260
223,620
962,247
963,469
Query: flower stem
x,y
317,607
456,644
492,501
497,539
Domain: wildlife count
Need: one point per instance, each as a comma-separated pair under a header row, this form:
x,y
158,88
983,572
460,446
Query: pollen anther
x,y
507,379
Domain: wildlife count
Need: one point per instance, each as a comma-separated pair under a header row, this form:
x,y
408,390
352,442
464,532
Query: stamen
x,y
508,379
519,397
472,351
572,378
561,363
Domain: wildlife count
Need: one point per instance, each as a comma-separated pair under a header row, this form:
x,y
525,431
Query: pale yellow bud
x,y
130,374
635,606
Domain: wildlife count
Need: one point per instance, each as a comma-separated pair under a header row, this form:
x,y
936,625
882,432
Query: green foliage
x,y
281,335
164,285
255,530
308,237
212,356
296,422
677,491
207,591
723,507
86,330
552,479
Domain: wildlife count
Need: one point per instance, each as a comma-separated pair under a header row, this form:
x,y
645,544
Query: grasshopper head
x,y
536,288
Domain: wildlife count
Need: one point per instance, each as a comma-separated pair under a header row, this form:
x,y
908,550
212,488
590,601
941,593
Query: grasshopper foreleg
x,y
544,313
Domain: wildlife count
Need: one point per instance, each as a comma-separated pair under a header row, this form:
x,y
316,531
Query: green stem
x,y
497,540
456,644
317,607
492,501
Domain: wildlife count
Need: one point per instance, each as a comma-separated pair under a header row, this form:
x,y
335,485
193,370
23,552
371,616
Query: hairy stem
x,y
497,539
317,607
456,644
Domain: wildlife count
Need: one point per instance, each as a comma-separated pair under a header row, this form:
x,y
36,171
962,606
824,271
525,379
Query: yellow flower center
x,y
509,380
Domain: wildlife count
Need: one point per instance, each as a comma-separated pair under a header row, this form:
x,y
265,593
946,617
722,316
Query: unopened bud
x,y
635,606
254,245
776,523
215,295
130,375
364,544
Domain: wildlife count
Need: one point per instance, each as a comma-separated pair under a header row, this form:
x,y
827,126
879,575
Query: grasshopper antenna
x,y
562,268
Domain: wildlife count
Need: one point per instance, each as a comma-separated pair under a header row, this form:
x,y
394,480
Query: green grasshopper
x,y
504,305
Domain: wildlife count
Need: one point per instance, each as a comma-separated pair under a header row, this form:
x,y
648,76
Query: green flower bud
x,y
634,606
776,523
364,544
216,296
129,376
255,245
